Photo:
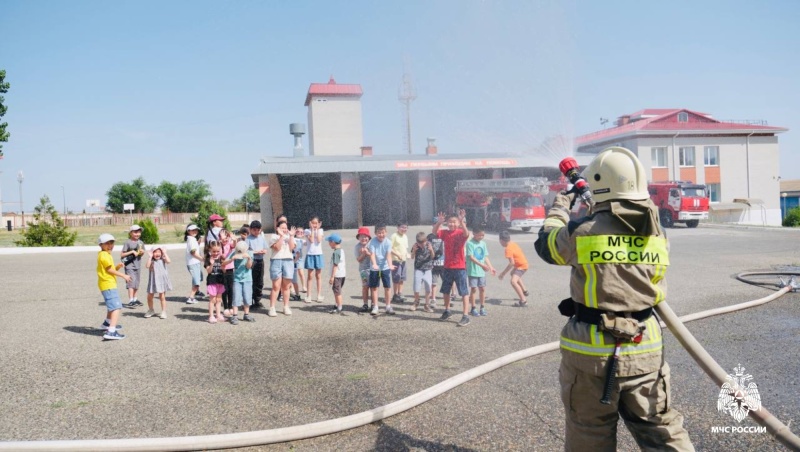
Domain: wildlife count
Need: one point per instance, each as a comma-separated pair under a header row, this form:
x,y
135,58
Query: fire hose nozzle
x,y
569,168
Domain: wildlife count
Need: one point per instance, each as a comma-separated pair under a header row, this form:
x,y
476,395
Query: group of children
x,y
447,255
158,282
235,268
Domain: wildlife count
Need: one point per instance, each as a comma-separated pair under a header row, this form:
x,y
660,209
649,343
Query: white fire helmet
x,y
616,173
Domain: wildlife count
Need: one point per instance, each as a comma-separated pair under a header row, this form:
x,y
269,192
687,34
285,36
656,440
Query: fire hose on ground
x,y
279,435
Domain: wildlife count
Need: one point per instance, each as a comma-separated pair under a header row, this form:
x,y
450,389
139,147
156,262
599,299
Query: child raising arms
x,y
158,282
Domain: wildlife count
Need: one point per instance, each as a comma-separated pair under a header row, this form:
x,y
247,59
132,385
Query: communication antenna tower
x,y
406,94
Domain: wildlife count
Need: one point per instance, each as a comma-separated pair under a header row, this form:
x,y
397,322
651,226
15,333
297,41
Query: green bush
x,y
792,218
47,228
149,231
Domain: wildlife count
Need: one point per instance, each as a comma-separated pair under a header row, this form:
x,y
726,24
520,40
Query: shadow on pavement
x,y
88,330
391,439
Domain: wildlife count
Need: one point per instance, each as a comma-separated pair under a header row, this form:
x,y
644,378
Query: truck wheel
x,y
666,218
526,229
692,223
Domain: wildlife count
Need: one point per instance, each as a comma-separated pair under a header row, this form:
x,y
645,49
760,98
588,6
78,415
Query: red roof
x,y
333,89
667,121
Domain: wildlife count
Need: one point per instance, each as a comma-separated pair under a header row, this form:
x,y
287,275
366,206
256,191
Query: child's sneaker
x,y
234,320
525,292
287,310
389,310
335,310
308,298
375,310
397,298
474,312
446,315
200,294
272,312
104,326
163,315
483,311
115,336
521,304
320,298
226,313
149,313
191,301
212,319
248,318
428,309
414,306
464,321
365,308
220,318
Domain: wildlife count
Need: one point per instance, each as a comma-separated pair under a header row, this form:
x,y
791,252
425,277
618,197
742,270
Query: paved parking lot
x,y
182,376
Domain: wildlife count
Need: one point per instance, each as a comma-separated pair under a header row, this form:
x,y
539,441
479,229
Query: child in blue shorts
x,y
380,250
107,282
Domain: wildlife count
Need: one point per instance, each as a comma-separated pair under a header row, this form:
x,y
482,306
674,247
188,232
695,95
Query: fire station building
x,y
737,160
346,185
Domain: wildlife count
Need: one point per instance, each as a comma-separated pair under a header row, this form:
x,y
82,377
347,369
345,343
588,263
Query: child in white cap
x,y
131,256
107,282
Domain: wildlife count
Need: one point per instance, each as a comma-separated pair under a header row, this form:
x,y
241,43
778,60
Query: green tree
x,y
184,197
3,89
47,228
208,208
249,202
137,192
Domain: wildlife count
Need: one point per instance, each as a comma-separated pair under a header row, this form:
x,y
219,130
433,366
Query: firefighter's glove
x,y
624,328
565,199
567,307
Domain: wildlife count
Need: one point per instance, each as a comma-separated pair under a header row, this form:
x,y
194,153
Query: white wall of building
x,y
736,174
334,126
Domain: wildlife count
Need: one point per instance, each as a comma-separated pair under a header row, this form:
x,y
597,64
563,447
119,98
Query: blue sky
x,y
103,92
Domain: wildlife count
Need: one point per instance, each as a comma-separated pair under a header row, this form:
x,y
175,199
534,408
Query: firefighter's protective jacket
x,y
619,255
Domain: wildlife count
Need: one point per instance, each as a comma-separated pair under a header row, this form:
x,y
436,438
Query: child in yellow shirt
x,y
107,283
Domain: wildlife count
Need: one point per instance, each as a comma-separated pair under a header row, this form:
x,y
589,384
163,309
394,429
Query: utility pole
x,y
20,178
64,197
406,94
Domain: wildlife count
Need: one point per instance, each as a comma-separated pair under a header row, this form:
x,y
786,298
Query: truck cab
x,y
680,202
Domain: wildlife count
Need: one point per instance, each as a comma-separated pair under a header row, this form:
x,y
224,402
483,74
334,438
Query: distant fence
x,y
119,219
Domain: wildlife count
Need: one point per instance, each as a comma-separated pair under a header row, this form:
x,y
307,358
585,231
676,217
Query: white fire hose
x,y
279,435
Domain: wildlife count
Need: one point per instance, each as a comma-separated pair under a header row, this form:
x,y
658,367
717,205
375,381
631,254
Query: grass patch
x,y
87,235
355,377
59,404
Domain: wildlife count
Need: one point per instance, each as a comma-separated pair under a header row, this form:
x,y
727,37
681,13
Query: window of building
x,y
683,117
659,156
711,155
686,156
713,192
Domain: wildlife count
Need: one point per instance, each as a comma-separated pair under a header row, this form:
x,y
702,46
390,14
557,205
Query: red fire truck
x,y
679,202
503,203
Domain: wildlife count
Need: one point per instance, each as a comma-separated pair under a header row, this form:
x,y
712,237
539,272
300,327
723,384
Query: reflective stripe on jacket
x,y
613,269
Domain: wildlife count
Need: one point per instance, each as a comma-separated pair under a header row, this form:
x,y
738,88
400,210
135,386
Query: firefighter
x,y
619,256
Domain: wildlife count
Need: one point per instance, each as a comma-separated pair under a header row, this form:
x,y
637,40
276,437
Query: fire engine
x,y
503,203
679,202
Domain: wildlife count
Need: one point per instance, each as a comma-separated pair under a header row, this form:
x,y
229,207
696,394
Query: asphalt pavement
x,y
182,376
